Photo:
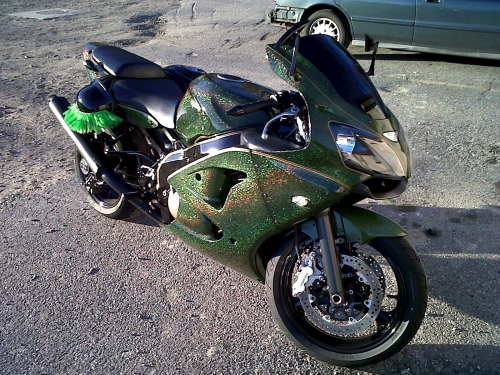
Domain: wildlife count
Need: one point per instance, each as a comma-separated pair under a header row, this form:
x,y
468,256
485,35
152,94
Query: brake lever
x,y
293,111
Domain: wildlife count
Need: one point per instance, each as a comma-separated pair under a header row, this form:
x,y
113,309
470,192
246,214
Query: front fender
x,y
356,224
361,226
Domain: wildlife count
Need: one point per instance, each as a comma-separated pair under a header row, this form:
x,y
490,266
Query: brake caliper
x,y
307,275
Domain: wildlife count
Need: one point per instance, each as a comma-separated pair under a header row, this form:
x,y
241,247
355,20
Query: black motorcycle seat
x,y
124,64
157,97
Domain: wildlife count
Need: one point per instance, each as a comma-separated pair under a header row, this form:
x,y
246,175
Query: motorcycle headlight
x,y
368,153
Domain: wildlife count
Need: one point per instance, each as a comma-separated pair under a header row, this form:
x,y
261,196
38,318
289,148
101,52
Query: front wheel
x,y
386,294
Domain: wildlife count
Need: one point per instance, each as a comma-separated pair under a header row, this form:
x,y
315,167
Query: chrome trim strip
x,y
384,21
231,149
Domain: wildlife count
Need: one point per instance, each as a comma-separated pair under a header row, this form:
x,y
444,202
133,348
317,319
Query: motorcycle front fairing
x,y
341,99
233,199
258,193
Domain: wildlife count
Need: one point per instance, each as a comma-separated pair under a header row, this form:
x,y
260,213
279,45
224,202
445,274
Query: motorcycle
x,y
264,182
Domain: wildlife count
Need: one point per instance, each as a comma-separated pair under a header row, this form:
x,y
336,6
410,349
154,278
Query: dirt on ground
x,y
40,58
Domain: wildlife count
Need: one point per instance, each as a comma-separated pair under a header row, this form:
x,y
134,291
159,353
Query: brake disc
x,y
365,275
370,261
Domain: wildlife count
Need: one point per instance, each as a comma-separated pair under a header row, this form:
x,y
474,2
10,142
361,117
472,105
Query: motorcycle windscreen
x,y
325,67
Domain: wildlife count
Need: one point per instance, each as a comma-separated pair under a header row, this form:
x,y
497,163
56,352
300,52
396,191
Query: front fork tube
x,y
331,264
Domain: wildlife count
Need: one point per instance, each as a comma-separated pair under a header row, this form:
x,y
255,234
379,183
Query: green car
x,y
454,27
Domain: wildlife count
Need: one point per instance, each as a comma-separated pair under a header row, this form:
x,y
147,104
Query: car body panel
x,y
460,25
295,11
382,19
454,27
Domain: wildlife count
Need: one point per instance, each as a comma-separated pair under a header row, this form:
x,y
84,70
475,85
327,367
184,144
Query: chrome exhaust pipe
x,y
58,105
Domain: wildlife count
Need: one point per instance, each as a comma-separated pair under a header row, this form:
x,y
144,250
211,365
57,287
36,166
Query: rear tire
x,y
327,22
391,328
100,196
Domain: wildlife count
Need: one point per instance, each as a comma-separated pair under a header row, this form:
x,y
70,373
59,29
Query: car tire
x,y
327,22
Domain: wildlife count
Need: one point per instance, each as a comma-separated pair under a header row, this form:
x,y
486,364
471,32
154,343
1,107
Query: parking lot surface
x,y
83,294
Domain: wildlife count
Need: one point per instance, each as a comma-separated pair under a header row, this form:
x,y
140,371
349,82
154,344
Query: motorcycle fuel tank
x,y
202,111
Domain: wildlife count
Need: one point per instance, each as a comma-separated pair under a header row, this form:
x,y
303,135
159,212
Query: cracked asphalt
x,y
82,294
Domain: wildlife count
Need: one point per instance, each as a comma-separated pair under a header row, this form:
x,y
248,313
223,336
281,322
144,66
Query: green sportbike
x,y
264,182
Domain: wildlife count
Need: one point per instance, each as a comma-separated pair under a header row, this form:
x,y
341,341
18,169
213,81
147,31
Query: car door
x,y
388,21
461,25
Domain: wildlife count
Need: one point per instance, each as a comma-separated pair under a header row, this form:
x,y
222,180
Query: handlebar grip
x,y
245,109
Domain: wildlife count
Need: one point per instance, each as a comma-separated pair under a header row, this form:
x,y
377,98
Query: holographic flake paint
x,y
362,226
202,112
229,221
253,210
244,218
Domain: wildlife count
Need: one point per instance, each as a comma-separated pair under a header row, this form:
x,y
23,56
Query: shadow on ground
x,y
430,57
460,249
82,279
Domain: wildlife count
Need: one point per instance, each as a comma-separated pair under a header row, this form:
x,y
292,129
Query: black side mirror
x,y
295,56
286,39
371,44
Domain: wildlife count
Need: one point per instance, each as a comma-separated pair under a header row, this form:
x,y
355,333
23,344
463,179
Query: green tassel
x,y
81,122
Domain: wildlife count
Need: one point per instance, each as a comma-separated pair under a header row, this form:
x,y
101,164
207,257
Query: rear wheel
x,y
386,301
101,197
327,22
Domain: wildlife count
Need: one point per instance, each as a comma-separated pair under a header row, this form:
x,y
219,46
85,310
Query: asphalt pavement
x,y
83,294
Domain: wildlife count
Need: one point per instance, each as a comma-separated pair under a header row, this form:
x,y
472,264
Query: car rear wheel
x,y
327,22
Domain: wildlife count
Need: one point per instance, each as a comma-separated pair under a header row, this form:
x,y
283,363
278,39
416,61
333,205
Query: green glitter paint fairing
x,y
254,210
244,217
259,207
361,226
325,105
202,111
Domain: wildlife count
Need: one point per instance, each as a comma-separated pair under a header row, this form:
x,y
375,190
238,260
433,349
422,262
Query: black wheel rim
x,y
99,191
344,345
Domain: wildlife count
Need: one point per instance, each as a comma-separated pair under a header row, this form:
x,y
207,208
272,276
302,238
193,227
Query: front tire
x,y
327,22
380,329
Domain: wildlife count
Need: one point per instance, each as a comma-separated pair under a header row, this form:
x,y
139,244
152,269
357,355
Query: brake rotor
x,y
366,278
373,264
